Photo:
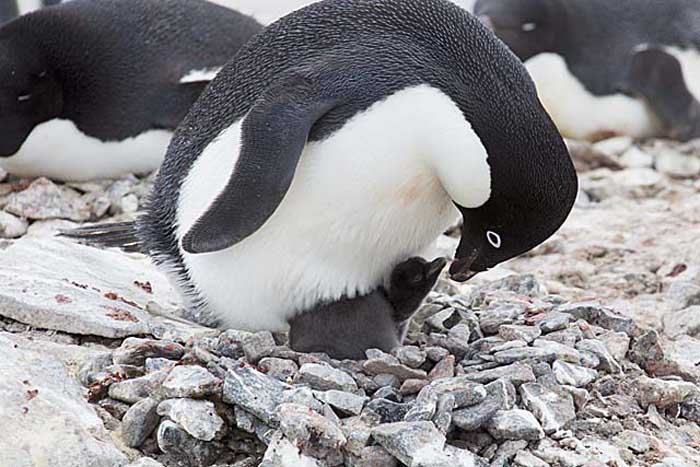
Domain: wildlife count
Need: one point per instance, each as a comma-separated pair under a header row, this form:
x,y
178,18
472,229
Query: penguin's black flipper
x,y
176,102
274,134
120,235
657,76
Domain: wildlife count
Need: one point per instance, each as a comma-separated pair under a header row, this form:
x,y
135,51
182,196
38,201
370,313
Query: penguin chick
x,y
347,328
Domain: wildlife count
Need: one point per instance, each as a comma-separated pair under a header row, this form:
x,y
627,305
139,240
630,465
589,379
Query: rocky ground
x,y
585,352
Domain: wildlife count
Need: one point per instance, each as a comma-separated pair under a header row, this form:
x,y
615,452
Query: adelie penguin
x,y
94,88
606,68
342,140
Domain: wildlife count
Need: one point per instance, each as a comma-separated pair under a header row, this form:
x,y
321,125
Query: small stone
x,y
322,377
424,406
573,375
357,431
159,364
634,158
420,444
465,392
412,386
554,410
589,359
115,408
443,414
525,353
304,427
554,321
518,373
634,441
145,462
435,354
520,284
139,422
663,393
677,165
344,401
388,392
303,396
513,332
134,351
617,343
255,392
175,441
385,380
388,411
134,390
282,452
509,345
515,424
492,319
44,199
11,226
198,418
444,369
372,456
560,351
500,395
382,363
580,396
683,322
690,409
607,361
258,345
527,459
410,355
569,336
278,368
597,315
683,294
507,451
189,381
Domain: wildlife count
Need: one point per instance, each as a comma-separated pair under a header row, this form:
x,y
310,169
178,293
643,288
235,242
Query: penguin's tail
x,y
120,235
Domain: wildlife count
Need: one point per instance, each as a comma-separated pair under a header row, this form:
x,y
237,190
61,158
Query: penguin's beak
x,y
460,270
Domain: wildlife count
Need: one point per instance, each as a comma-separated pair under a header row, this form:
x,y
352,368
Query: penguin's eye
x,y
24,97
494,239
528,27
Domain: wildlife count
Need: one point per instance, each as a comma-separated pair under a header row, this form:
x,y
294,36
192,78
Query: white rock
x,y
198,418
12,226
38,401
636,158
678,165
78,289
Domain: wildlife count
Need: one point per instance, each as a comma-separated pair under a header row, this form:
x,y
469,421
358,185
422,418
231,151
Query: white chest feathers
x,y
58,149
369,196
582,115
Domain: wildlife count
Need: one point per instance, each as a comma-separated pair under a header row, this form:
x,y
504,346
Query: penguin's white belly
x,y
582,115
58,149
361,201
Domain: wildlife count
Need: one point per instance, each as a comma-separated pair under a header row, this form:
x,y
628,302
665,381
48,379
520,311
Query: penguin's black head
x,y
529,199
416,276
528,27
29,93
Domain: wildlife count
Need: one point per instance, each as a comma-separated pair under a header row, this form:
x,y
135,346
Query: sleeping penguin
x,y
606,68
345,329
342,140
94,88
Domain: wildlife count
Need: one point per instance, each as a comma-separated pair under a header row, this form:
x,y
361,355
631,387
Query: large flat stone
x,y
78,289
38,402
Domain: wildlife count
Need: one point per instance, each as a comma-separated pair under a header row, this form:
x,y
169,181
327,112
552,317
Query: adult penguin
x,y
605,68
341,141
94,88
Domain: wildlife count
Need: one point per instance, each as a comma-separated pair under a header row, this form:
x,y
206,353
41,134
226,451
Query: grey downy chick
x,y
347,328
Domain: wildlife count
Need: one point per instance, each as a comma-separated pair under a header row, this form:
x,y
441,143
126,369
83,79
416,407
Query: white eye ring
x,y
529,27
494,239
24,97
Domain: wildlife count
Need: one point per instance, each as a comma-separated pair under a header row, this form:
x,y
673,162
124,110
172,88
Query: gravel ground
x,y
585,352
